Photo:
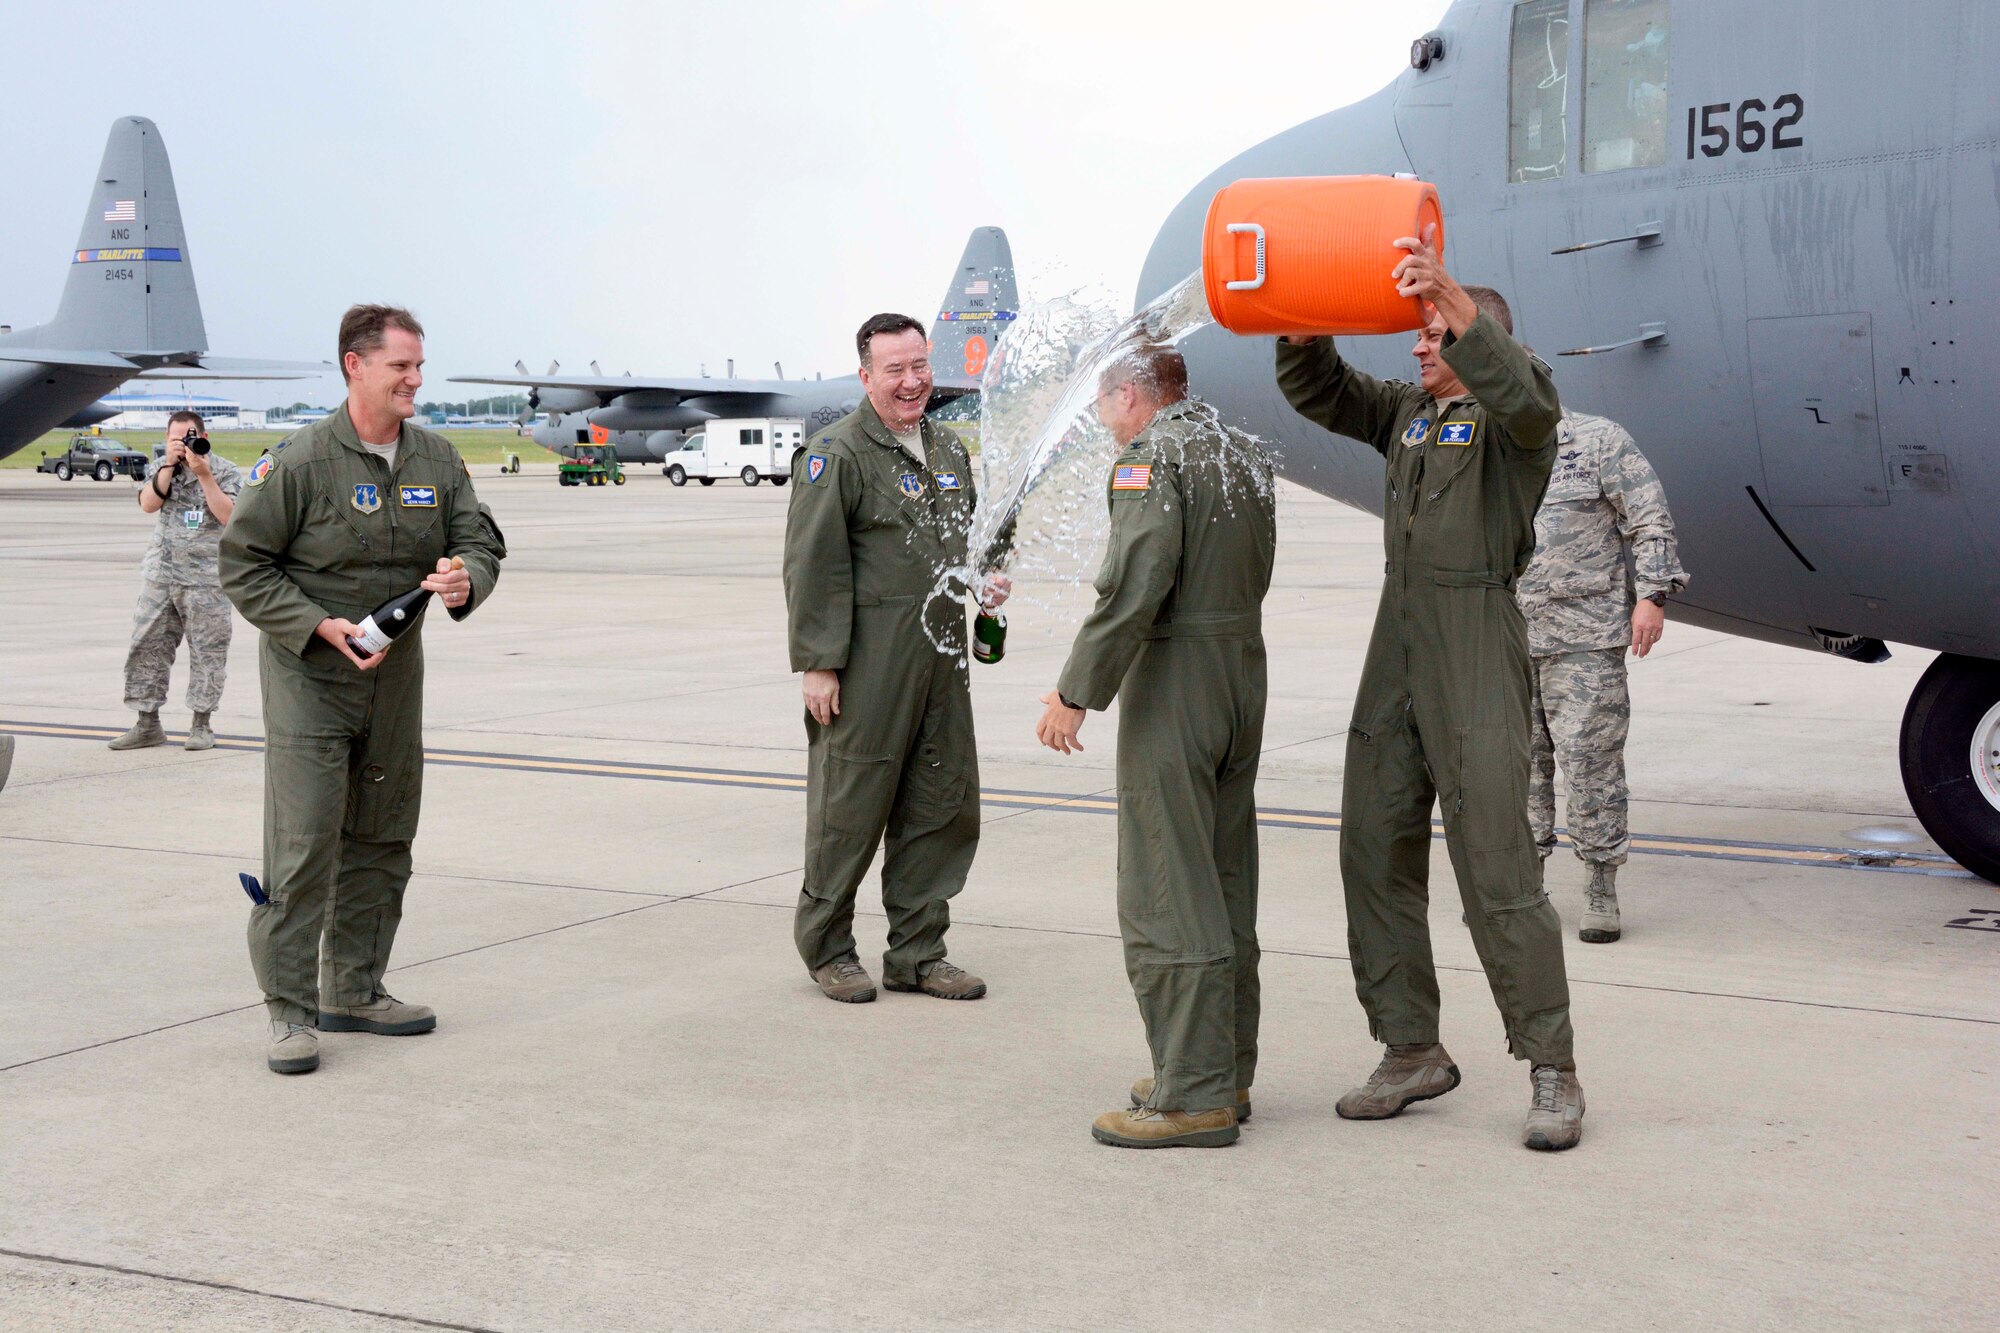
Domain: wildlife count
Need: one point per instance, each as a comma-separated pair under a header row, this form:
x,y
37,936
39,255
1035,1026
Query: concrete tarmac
x,y
638,1113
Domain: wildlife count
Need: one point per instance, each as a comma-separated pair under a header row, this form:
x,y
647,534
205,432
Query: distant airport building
x,y
149,411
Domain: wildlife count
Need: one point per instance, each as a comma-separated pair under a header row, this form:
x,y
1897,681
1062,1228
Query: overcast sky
x,y
656,186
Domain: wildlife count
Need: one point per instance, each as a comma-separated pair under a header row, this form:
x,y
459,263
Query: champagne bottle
x,y
989,636
386,623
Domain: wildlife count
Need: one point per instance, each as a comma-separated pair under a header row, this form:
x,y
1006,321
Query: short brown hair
x,y
186,415
882,324
1494,304
1156,369
363,327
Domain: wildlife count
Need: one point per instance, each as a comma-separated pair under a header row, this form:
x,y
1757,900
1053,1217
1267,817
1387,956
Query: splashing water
x,y
1042,451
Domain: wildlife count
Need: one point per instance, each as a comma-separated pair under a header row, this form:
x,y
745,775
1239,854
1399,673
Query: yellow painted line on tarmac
x,y
1314,820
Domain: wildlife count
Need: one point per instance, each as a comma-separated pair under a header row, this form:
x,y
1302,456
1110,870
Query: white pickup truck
x,y
753,448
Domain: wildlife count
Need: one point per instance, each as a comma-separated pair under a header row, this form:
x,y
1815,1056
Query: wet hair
x,y
884,323
363,329
186,415
1155,369
1494,304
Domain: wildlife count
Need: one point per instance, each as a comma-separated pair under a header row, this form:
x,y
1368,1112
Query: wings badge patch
x,y
947,481
1456,432
419,497
1132,477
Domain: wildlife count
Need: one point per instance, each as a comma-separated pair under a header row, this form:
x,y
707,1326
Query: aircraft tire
x,y
1950,757
749,476
63,472
677,475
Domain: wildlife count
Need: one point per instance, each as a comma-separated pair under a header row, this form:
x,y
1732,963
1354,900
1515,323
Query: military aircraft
x,y
129,309
646,419
1773,257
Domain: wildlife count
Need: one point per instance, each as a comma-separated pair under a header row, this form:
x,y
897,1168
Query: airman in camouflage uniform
x,y
180,592
1605,563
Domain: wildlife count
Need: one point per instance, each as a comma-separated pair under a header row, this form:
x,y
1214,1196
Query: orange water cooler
x,y
1313,254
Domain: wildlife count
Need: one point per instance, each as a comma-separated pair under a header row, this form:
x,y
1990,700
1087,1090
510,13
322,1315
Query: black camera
x,y
196,444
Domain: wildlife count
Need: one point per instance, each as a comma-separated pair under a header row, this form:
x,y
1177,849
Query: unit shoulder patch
x,y
260,470
367,498
1416,431
815,468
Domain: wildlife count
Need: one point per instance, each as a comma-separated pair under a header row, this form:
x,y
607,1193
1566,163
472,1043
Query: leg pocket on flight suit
x,y
1147,913
933,789
1492,797
303,785
384,801
840,810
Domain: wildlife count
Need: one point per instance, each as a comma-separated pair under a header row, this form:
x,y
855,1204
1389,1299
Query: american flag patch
x,y
123,210
1132,477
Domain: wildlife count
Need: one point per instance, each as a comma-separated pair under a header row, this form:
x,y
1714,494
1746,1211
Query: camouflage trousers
x,y
167,614
1582,712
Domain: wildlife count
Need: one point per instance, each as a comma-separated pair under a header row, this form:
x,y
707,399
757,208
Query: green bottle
x,y
989,636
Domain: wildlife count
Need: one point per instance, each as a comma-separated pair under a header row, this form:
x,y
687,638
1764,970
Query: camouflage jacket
x,y
1603,539
187,537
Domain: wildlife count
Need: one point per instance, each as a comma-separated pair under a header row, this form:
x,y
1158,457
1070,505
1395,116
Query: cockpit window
x,y
1624,84
1538,82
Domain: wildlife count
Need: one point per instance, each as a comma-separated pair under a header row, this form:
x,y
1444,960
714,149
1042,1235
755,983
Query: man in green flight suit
x,y
1177,634
352,511
879,513
1441,714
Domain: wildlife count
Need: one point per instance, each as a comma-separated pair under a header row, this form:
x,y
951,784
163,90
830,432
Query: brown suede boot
x,y
1143,1127
1142,1092
846,981
147,731
1555,1111
947,981
1407,1074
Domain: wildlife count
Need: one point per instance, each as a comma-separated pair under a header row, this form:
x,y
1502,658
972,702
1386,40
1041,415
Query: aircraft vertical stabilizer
x,y
979,305
131,281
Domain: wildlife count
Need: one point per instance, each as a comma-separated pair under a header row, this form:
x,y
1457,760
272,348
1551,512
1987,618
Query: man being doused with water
x,y
1441,715
879,515
1176,635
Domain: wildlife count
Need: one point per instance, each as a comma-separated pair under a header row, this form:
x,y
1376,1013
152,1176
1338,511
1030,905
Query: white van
x,y
753,449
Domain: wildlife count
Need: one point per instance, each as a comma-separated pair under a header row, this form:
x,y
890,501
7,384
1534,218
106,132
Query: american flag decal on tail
x,y
1132,477
122,210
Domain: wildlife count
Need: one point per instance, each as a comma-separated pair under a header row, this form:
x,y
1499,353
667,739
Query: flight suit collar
x,y
877,430
343,430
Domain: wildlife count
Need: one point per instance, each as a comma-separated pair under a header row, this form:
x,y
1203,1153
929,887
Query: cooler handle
x,y
1257,231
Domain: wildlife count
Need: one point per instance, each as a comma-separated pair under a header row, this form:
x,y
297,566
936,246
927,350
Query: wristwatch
x,y
1656,598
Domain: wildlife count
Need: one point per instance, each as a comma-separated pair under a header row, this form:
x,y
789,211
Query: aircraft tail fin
x,y
131,282
977,308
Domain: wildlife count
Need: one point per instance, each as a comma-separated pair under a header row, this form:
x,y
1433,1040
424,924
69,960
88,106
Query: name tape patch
x,y
947,481
419,497
1132,477
1456,432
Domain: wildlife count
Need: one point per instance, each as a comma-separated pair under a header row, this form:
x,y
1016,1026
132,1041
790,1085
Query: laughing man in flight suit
x,y
1441,715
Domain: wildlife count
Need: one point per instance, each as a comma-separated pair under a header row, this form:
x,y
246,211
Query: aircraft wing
x,y
240,368
59,356
608,387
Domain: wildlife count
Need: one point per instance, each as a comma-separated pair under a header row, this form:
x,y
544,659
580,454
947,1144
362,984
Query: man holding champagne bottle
x,y
362,517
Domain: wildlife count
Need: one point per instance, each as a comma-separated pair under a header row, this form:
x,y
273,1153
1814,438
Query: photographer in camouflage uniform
x,y
1605,563
194,492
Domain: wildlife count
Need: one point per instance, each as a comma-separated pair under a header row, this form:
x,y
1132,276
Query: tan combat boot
x,y
294,1048
199,735
385,1016
1600,906
947,981
1143,1127
1555,1115
1142,1092
1407,1074
146,731
846,981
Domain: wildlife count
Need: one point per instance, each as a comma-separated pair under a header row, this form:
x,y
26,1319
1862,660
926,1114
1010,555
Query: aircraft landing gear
x,y
1951,759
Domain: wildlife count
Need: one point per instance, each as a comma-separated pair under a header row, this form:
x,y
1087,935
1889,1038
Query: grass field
x,y
243,447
